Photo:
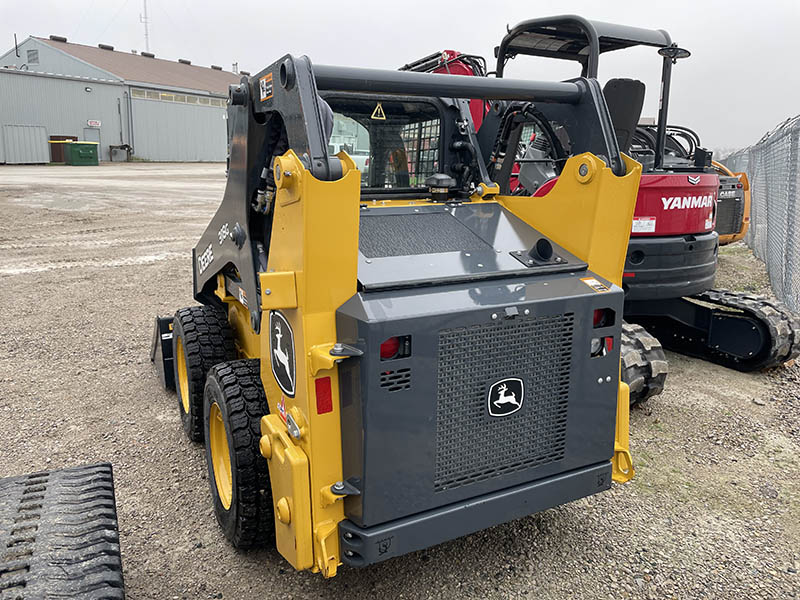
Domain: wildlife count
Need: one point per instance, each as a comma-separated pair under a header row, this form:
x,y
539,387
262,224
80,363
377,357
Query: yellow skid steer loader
x,y
390,357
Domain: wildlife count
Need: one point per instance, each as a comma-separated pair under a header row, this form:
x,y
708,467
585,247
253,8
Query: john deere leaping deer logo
x,y
506,396
281,346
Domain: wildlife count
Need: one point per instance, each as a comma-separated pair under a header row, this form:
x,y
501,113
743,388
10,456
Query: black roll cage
x,y
280,108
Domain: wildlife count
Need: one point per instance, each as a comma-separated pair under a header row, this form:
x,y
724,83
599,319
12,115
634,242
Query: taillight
x,y
601,346
366,163
603,317
739,185
390,348
324,396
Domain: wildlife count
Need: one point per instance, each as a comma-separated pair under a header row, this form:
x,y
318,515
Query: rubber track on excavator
x,y
783,325
644,365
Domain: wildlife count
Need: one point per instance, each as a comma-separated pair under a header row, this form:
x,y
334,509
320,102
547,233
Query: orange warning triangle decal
x,y
378,113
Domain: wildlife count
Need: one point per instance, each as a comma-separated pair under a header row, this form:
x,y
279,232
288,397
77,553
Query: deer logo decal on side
x,y
505,397
281,346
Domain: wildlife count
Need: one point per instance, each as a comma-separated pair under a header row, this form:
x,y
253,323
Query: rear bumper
x,y
670,267
362,546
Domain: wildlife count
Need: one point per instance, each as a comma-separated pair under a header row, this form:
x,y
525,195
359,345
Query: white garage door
x,y
25,144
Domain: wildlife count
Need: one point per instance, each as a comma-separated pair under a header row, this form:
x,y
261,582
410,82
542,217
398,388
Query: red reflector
x,y
609,344
740,185
598,317
390,348
324,396
629,274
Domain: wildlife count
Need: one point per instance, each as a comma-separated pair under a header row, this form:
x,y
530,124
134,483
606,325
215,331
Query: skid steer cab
x,y
388,357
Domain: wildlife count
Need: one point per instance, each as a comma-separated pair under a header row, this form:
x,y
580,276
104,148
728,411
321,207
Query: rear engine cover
x,y
494,386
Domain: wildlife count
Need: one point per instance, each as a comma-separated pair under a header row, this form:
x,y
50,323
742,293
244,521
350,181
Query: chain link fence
x,y
773,167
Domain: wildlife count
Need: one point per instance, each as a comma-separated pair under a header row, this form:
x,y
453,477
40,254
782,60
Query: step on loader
x,y
384,361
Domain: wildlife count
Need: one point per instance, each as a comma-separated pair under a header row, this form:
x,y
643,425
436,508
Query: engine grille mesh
x,y
471,446
730,213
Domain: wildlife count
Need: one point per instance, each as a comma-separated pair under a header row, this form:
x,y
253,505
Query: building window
x,y
168,97
33,57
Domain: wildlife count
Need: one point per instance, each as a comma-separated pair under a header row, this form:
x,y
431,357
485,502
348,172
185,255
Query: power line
x,y
114,18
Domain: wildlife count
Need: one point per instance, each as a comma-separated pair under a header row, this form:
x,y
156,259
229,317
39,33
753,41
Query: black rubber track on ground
x,y
58,535
783,325
644,364
207,341
236,387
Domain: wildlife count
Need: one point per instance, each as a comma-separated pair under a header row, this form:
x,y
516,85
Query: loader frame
x,y
300,265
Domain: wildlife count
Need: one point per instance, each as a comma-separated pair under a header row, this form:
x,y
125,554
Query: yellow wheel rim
x,y
183,379
220,456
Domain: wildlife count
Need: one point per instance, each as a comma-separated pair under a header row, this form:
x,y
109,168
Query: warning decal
x,y
265,87
595,284
378,113
644,225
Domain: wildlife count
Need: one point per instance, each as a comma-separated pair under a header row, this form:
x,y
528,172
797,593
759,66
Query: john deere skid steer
x,y
388,358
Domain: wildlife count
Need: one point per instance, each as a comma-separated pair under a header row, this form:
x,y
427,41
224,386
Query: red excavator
x,y
672,254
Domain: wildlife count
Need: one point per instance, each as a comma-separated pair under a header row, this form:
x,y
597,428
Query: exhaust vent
x,y
183,61
105,47
58,38
216,67
148,54
397,380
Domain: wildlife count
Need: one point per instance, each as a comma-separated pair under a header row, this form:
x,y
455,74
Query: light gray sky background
x,y
741,80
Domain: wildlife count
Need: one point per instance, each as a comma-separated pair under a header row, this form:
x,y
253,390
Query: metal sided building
x,y
164,110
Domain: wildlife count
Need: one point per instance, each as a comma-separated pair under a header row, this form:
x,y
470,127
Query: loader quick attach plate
x,y
161,352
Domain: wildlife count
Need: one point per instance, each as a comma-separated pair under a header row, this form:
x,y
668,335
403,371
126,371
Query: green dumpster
x,y
81,153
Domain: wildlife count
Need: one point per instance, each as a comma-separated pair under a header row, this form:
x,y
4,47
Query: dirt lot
x,y
89,256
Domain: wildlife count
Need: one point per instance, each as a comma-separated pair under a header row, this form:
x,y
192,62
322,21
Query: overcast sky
x,y
741,80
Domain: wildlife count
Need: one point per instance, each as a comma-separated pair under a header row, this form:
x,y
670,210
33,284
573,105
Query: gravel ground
x,y
89,256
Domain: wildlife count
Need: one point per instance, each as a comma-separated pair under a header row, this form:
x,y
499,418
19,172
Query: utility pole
x,y
146,21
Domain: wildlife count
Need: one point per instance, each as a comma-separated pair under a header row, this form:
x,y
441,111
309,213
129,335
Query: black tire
x,y
204,338
644,364
235,388
58,534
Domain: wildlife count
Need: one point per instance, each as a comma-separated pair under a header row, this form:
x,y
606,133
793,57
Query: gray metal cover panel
x,y
395,415
25,144
420,245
